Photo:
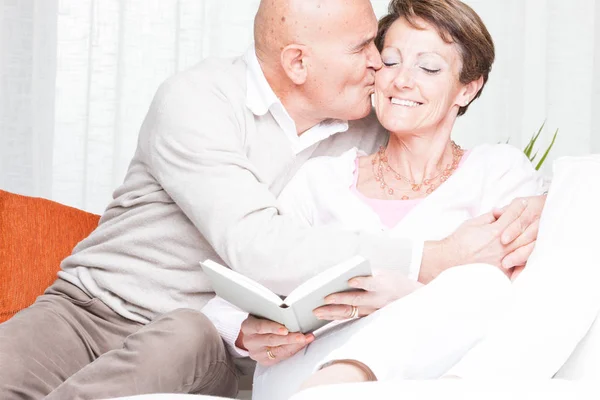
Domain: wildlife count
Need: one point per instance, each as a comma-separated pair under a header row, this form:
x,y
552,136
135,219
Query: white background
x,y
77,76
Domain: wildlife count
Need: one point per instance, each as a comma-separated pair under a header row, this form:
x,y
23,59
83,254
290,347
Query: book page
x,y
248,295
327,276
230,280
312,296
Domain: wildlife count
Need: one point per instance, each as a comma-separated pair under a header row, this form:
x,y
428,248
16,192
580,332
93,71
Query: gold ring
x,y
354,312
270,354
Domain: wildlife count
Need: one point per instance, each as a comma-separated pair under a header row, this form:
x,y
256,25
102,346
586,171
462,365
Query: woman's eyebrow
x,y
424,53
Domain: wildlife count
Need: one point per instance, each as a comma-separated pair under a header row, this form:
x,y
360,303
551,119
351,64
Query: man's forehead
x,y
358,25
346,23
344,12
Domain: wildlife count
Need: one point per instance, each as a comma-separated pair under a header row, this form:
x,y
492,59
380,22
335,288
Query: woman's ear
x,y
293,62
469,91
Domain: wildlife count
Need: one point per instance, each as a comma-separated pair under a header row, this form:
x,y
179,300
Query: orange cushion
x,y
35,236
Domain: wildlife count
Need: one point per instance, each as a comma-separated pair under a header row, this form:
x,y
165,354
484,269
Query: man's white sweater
x,y
203,184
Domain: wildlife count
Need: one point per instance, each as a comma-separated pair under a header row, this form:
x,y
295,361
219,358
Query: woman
x,y
437,56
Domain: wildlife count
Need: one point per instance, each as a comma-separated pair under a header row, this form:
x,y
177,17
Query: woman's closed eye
x,y
393,63
431,71
390,63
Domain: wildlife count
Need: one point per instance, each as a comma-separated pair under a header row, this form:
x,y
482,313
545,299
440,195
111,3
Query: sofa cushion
x,y
35,236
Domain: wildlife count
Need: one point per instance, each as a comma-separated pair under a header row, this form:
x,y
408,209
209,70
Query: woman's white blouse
x,y
491,177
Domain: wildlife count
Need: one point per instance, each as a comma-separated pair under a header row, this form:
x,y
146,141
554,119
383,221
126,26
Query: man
x,y
217,146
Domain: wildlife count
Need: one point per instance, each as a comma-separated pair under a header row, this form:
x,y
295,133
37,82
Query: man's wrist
x,y
436,259
430,263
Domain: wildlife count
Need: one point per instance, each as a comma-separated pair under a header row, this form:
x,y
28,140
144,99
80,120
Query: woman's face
x,y
418,86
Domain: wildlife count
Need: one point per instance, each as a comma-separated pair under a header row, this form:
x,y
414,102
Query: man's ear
x,y
469,91
293,62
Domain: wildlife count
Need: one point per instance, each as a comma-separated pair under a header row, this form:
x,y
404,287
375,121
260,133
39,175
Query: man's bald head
x,y
280,23
320,53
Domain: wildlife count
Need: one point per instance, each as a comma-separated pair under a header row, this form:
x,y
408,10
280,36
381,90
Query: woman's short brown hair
x,y
456,23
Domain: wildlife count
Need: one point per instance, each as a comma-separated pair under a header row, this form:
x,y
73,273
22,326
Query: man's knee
x,y
184,334
193,329
188,339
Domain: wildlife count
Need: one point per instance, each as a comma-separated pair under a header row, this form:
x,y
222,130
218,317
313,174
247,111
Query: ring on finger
x,y
354,312
270,354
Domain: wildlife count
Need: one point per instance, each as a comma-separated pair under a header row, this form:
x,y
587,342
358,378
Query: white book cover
x,y
296,310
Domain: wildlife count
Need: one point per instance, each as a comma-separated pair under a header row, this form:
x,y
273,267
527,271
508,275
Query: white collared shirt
x,y
261,99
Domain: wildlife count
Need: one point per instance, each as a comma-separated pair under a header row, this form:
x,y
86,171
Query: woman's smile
x,y
404,102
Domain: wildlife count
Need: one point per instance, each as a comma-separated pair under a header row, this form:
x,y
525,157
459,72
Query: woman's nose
x,y
404,78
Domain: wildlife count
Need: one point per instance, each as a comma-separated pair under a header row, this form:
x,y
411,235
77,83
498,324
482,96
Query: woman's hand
x,y
504,238
269,342
515,272
373,292
522,233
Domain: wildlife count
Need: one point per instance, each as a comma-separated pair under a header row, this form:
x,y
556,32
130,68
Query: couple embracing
x,y
275,164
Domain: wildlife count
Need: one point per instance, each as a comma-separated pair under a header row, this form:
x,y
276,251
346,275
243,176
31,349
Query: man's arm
x,y
475,241
228,320
478,240
196,151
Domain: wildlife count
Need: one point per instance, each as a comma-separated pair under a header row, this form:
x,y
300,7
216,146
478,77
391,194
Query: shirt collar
x,y
260,99
259,96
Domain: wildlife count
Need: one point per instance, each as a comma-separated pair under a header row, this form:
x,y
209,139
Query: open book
x,y
296,310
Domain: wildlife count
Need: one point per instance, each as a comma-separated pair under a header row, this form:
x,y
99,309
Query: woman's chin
x,y
396,122
397,127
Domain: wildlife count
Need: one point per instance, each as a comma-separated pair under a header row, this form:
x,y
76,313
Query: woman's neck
x,y
419,157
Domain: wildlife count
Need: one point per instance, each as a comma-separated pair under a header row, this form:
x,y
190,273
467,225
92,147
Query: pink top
x,y
390,212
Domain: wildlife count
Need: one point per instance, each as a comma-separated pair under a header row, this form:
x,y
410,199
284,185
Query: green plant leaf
x,y
527,150
532,159
539,165
534,139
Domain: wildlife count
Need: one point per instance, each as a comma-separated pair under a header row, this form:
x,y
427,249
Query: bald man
x,y
218,144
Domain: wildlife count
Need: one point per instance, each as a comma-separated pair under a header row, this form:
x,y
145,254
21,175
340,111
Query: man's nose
x,y
374,58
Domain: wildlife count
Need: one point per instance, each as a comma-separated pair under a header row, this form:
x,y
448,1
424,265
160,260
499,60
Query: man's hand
x,y
523,232
374,292
479,241
259,336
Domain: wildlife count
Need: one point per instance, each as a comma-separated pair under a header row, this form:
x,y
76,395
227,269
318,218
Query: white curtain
x,y
77,76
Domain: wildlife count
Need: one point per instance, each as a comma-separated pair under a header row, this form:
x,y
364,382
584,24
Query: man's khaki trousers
x,y
70,346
